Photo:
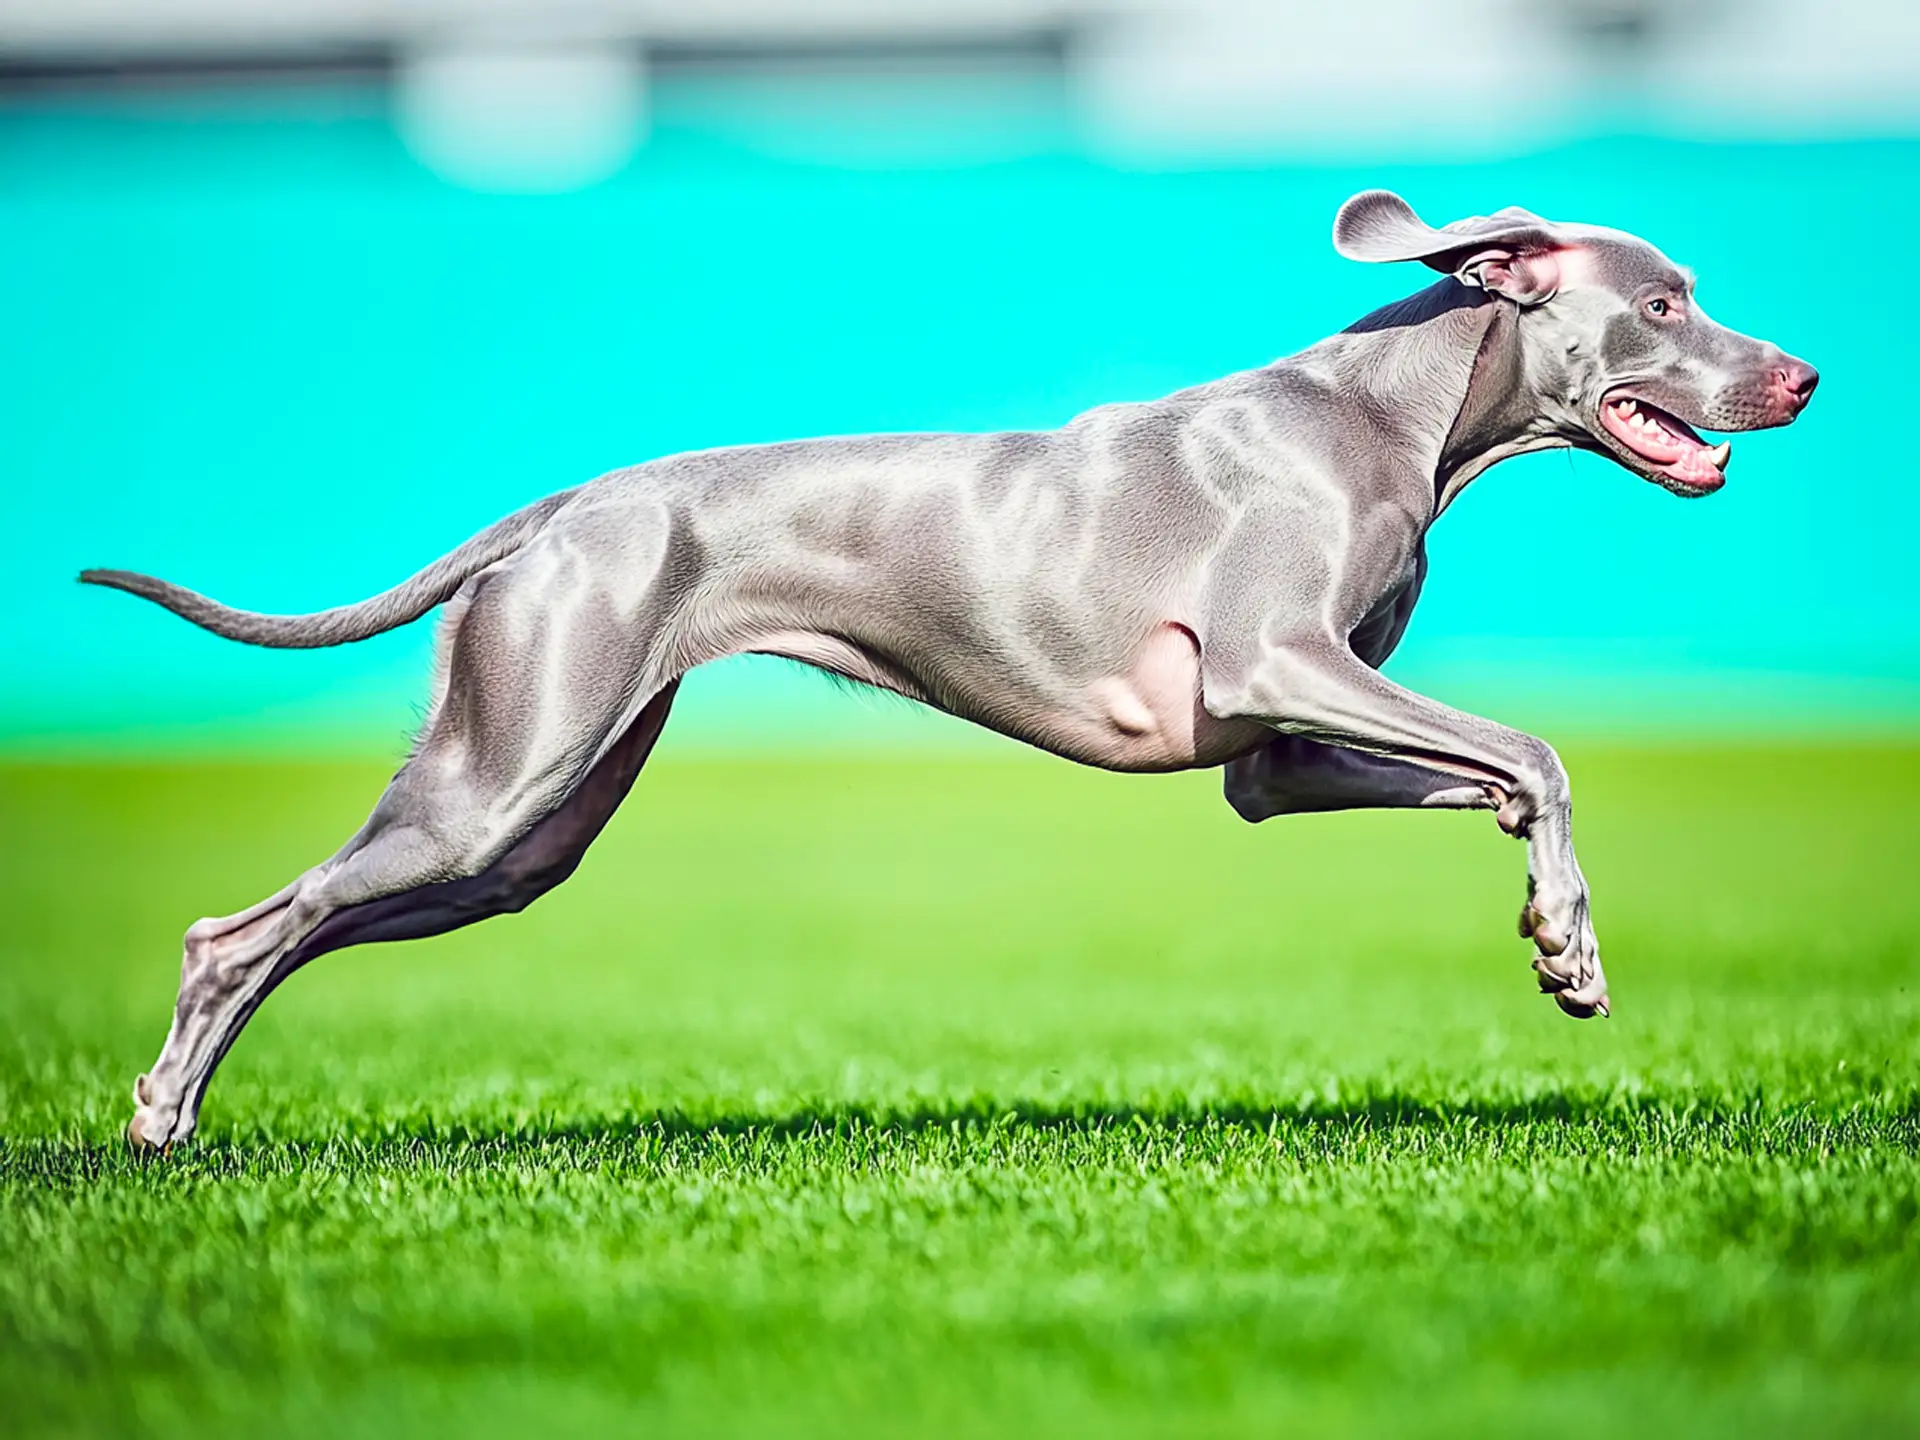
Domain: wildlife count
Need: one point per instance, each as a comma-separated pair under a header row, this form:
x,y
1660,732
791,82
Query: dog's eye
x,y
1658,308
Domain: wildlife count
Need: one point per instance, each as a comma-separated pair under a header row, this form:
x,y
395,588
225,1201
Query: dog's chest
x,y
1375,637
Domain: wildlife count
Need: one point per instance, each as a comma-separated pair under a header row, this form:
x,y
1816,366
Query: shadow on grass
x,y
1377,1113
1393,1121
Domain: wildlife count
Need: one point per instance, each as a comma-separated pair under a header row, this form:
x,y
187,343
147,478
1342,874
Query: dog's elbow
x,y
1246,791
1270,688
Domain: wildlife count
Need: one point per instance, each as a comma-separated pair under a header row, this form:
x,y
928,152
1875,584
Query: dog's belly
x,y
1147,716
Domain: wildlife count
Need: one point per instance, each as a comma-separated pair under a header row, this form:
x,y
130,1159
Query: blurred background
x,y
953,1085
293,298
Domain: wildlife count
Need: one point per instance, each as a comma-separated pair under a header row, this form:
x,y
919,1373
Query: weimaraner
x,y
1212,578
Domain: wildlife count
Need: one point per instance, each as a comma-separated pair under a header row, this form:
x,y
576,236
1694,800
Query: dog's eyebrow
x,y
1687,279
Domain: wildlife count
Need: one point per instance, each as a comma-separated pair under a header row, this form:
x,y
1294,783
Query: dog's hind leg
x,y
537,739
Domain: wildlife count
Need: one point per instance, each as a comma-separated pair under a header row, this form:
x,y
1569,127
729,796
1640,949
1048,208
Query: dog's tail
x,y
408,600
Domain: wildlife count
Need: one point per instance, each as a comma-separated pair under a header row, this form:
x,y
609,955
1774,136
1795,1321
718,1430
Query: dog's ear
x,y
1511,253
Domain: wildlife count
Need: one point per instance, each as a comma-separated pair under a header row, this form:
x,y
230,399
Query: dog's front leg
x,y
1313,687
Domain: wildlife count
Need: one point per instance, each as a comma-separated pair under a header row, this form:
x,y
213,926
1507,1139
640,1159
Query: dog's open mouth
x,y
1678,458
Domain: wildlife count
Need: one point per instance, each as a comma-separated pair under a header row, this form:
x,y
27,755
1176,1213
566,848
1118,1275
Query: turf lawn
x,y
983,1096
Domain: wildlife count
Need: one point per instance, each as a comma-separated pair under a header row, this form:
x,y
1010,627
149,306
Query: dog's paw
x,y
152,1130
1567,956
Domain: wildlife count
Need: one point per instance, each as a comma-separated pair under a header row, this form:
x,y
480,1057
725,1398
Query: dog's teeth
x,y
1627,407
1719,454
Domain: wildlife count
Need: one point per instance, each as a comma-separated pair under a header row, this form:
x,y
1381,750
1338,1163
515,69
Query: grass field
x,y
983,1096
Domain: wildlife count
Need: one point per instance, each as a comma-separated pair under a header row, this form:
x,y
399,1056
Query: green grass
x,y
979,1096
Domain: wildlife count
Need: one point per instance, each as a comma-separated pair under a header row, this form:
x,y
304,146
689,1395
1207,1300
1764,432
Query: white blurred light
x,y
1225,76
1787,70
1472,78
550,94
542,116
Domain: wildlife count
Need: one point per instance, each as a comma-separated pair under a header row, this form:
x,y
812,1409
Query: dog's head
x,y
1615,349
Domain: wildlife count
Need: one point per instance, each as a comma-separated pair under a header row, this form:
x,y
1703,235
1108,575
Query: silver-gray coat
x,y
1208,579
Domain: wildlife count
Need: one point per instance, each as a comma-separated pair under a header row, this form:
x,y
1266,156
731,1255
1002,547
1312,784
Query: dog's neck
x,y
1444,369
1500,414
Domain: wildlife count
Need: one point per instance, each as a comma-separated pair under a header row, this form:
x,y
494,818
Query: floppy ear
x,y
1510,253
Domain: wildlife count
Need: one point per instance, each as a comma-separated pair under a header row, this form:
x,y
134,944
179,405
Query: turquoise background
x,y
247,343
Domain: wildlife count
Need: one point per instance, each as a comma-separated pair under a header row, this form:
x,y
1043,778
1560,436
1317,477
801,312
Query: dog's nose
x,y
1796,380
